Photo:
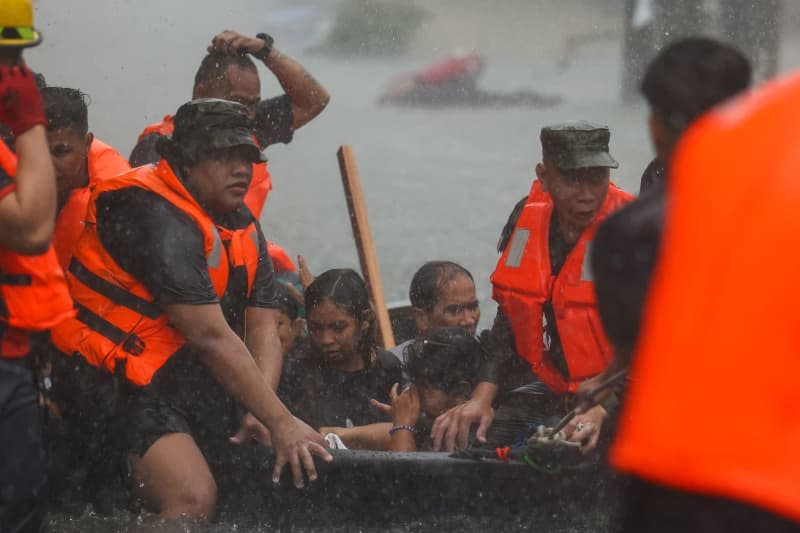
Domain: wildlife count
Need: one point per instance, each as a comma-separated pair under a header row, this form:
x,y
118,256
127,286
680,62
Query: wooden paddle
x,y
363,238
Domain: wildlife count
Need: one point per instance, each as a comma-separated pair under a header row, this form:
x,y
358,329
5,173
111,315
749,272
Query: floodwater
x,y
439,184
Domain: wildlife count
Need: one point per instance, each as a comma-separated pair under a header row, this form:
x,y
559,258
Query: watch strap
x,y
267,48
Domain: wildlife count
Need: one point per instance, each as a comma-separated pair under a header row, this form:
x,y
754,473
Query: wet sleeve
x,y
652,177
511,223
264,293
7,184
501,351
274,120
156,243
144,153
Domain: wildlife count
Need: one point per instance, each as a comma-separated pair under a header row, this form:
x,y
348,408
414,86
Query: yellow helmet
x,y
16,24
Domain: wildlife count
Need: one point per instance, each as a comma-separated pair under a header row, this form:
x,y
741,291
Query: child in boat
x,y
344,369
443,368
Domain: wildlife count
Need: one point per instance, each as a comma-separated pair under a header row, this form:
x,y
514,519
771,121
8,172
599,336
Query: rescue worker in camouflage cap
x,y
171,259
578,144
547,333
209,124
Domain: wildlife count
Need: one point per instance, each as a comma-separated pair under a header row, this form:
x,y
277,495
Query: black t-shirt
x,y
162,247
273,124
323,396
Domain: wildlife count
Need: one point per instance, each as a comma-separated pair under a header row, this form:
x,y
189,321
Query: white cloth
x,y
334,442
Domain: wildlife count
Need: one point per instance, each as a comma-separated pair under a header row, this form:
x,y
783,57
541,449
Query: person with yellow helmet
x,y
33,292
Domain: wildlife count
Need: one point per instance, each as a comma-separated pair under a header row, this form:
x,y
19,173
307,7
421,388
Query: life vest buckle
x,y
134,345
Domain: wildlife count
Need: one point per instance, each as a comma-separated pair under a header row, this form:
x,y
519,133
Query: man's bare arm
x,y
263,342
308,96
228,360
27,214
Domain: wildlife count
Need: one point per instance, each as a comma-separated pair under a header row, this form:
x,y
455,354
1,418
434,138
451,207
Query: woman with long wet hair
x,y
345,369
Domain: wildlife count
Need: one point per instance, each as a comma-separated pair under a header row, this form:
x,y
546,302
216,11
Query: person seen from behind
x,y
731,209
686,79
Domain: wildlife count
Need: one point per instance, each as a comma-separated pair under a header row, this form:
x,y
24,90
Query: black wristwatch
x,y
265,50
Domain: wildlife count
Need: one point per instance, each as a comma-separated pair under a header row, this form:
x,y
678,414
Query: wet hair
x,y
691,76
623,257
66,108
430,279
344,288
214,66
445,359
286,302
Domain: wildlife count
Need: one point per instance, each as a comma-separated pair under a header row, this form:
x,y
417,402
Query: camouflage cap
x,y
212,123
578,144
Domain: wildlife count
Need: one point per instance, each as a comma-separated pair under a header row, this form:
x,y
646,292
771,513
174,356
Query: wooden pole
x,y
363,237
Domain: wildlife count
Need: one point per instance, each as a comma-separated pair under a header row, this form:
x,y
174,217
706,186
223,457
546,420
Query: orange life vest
x,y
713,405
117,316
103,162
33,293
281,262
260,185
523,282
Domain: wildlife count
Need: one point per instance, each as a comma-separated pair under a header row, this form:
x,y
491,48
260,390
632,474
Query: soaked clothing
x,y
651,508
506,367
323,396
162,247
23,478
273,125
182,398
653,178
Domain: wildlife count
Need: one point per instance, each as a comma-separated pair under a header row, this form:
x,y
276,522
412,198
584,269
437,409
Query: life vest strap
x,y
16,279
114,293
131,343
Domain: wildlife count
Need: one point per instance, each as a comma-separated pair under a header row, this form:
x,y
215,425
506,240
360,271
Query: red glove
x,y
20,102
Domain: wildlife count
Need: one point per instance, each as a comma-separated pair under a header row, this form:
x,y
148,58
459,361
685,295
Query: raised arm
x,y
28,208
308,97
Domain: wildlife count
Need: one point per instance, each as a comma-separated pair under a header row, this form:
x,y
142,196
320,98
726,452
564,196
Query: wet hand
x,y
306,277
251,430
405,407
587,388
232,42
452,428
296,443
586,427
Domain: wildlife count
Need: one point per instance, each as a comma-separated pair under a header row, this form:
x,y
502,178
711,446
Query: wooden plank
x,y
363,237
